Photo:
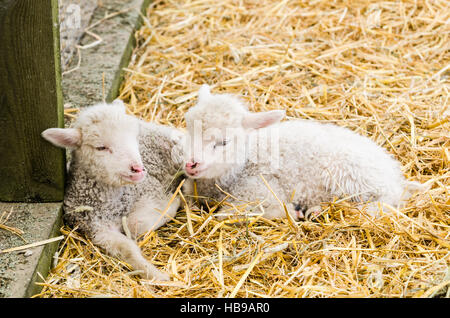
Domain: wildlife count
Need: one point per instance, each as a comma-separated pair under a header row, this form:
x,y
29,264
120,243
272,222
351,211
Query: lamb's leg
x,y
188,189
147,216
313,212
118,245
298,212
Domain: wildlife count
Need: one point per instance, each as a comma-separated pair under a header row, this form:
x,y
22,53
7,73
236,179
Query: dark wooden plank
x,y
31,170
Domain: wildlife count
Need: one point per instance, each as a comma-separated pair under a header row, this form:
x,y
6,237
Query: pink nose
x,y
191,165
137,168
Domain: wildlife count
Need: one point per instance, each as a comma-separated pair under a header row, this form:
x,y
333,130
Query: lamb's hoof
x,y
313,212
302,213
297,212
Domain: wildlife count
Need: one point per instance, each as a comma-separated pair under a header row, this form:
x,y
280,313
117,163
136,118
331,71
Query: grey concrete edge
x,y
126,56
45,260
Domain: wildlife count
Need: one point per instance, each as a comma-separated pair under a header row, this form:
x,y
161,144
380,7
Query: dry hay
x,y
379,68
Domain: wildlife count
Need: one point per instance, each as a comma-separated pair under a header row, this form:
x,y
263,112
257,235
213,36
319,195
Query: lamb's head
x,y
218,126
105,144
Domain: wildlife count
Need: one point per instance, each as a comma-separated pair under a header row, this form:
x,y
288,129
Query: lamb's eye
x,y
102,148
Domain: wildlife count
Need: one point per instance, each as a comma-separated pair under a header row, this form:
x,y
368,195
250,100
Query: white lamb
x,y
107,179
304,162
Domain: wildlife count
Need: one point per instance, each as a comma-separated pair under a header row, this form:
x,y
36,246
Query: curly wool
x,y
161,150
317,162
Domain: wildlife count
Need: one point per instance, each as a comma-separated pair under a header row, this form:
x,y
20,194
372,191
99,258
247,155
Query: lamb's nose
x,y
191,165
137,168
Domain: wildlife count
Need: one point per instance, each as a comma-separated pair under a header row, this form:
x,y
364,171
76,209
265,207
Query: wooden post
x,y
31,169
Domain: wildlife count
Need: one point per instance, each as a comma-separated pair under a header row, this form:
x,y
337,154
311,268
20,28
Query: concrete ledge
x,y
20,270
100,72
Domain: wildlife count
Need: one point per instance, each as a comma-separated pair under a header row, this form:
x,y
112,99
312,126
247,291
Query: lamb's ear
x,y
261,120
204,91
63,137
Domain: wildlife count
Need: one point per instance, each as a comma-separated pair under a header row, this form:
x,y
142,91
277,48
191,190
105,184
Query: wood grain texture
x,y
31,169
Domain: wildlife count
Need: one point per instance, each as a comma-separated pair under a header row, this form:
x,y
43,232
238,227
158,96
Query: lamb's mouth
x,y
133,178
195,174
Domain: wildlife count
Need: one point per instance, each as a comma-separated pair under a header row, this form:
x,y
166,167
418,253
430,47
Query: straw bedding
x,y
379,68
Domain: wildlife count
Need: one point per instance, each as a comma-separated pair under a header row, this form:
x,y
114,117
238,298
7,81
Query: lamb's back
x,y
325,155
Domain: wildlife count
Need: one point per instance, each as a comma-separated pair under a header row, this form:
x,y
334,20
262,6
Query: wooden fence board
x,y
31,169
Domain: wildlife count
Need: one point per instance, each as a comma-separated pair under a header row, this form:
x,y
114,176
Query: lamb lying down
x,y
107,179
304,162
